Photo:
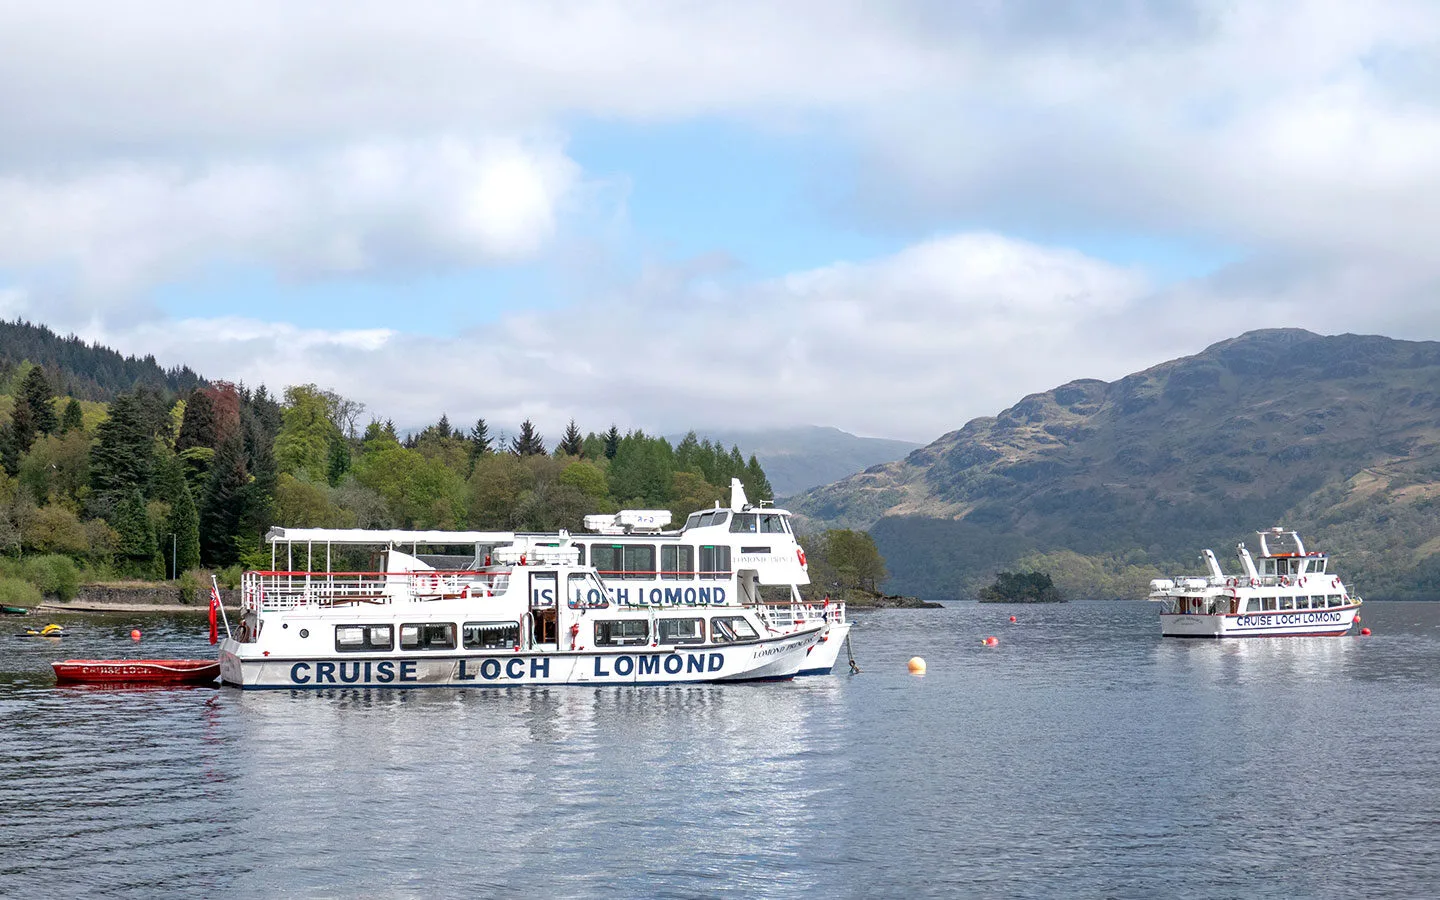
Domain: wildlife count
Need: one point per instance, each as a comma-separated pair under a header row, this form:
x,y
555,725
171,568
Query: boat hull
x,y
825,653
769,660
1332,622
136,671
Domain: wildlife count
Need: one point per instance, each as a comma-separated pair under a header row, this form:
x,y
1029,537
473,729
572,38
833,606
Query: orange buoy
x,y
1364,631
135,634
991,641
1012,618
916,666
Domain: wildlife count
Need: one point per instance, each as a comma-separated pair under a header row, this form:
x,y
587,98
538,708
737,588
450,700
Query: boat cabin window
x,y
677,563
606,558
622,633
1335,600
1252,605
428,636
1287,602
1269,604
639,561
714,517
584,591
580,560
1267,567
360,638
744,523
715,562
680,631
772,523
490,635
729,629
1302,602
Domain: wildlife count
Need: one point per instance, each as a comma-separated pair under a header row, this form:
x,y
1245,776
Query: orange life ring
x,y
1284,582
800,554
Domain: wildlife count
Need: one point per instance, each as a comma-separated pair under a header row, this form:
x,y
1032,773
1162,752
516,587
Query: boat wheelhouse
x,y
1286,591
528,616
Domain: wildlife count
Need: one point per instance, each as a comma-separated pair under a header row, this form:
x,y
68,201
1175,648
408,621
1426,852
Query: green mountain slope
x,y
1337,436
795,459
85,371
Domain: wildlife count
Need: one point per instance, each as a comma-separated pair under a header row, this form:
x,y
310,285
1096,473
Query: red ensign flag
x,y
214,609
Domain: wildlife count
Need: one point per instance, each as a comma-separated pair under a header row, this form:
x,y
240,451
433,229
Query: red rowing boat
x,y
137,671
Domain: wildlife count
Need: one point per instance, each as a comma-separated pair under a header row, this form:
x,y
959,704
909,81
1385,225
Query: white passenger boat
x,y
740,555
1290,593
532,616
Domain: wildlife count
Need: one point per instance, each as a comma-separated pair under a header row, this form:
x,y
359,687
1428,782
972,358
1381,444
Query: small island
x,y
1021,587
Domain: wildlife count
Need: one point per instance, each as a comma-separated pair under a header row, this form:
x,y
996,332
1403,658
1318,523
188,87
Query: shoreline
x,y
120,607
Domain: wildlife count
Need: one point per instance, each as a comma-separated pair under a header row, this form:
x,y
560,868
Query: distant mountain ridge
x,y
85,371
796,459
1338,436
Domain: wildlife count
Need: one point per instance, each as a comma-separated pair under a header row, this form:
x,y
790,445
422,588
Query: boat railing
x,y
270,591
1200,582
782,616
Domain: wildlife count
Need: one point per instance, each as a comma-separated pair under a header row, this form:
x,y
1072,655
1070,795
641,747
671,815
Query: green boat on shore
x,y
15,610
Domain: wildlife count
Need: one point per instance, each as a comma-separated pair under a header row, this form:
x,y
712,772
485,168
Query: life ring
x,y
800,555
1335,582
1253,582
1230,582
1284,582
1301,582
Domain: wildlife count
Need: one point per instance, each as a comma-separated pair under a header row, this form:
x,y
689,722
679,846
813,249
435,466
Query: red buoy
x,y
991,641
135,634
1012,618
1364,631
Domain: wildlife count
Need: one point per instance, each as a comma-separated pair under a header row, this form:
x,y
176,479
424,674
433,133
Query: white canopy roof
x,y
384,536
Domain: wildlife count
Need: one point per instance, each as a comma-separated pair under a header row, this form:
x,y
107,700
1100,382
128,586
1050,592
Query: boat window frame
x,y
719,635
513,626
663,639
603,632
718,566
1269,604
675,568
366,646
745,523
428,644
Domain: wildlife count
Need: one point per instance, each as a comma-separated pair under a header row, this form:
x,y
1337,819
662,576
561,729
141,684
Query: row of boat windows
x,y
505,635
677,562
1313,601
740,523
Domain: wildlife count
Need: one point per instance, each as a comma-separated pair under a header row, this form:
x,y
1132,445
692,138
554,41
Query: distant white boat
x,y
1290,593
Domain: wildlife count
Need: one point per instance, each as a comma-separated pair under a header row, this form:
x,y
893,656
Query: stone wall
x,y
158,595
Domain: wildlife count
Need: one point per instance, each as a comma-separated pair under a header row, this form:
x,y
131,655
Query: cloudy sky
x,y
889,218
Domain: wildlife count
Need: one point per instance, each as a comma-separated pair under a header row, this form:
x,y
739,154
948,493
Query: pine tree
x,y
757,486
442,428
224,503
571,443
197,428
137,547
182,525
123,458
479,440
528,442
612,442
73,418
33,414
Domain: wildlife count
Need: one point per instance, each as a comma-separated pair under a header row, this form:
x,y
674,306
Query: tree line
x,y
163,484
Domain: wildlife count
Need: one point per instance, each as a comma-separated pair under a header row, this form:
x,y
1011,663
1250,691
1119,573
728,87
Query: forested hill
x,y
1103,484
81,370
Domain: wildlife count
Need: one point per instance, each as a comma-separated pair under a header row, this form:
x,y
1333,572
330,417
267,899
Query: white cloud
x,y
383,205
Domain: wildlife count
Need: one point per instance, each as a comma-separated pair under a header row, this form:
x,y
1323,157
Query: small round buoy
x,y
917,666
1357,617
1364,631
1012,618
991,641
135,634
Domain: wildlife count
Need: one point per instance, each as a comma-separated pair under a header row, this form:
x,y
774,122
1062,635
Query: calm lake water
x,y
1083,756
